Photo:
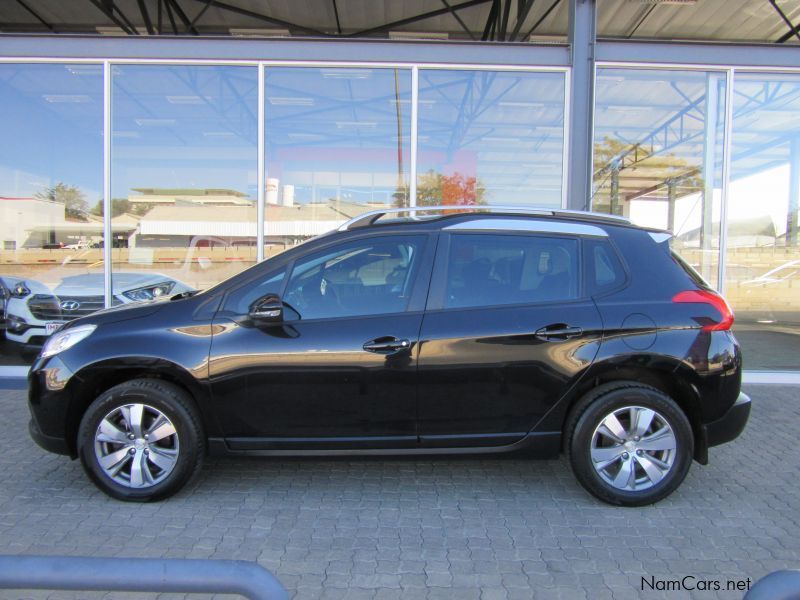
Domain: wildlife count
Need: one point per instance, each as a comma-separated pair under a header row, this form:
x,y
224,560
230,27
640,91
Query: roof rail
x,y
369,218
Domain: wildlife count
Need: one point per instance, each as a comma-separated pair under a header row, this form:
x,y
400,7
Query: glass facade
x,y
51,191
659,158
762,275
338,140
184,162
337,144
490,137
658,150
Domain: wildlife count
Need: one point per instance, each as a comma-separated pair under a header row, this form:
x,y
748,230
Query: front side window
x,y
367,277
489,270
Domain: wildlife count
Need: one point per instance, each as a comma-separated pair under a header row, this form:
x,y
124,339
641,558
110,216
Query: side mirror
x,y
268,309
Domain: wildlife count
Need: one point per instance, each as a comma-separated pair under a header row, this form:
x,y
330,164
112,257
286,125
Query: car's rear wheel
x,y
629,444
141,440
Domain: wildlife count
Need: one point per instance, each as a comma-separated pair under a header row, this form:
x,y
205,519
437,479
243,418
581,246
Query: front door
x,y
508,326
339,371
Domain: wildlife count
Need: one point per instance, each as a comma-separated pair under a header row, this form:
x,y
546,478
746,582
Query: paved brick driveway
x,y
427,528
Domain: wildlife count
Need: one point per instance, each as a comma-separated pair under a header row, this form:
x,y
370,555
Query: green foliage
x,y
73,199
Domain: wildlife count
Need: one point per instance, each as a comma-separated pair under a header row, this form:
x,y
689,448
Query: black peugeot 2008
x,y
411,331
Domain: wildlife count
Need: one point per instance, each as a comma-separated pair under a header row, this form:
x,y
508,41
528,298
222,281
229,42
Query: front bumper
x,y
730,425
48,400
55,445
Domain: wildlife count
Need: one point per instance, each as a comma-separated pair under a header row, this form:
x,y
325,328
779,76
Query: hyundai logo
x,y
70,305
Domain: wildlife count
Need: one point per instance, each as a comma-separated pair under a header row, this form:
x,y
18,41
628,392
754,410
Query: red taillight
x,y
715,300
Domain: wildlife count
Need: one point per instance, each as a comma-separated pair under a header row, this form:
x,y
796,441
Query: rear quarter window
x,y
604,270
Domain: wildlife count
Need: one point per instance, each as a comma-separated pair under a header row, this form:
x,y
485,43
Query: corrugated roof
x,y
706,20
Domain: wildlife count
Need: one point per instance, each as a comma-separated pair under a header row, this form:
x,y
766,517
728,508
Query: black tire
x,y
188,443
587,417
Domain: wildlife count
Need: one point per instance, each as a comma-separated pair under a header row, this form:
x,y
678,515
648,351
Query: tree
x,y
119,206
73,199
434,188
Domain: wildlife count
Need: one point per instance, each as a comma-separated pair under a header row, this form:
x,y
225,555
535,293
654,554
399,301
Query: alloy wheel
x,y
136,445
633,448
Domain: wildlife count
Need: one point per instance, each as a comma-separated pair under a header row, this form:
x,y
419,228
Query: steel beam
x,y
146,17
182,16
523,9
36,15
792,28
582,28
110,14
697,53
541,19
450,8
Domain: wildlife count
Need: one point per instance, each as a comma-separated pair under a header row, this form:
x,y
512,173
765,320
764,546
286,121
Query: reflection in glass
x,y
763,256
337,145
490,137
183,177
658,148
51,181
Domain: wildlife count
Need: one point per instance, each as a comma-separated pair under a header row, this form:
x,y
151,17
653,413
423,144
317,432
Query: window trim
x,y
438,287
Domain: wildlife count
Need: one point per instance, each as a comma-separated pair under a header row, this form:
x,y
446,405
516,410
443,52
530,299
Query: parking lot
x,y
461,528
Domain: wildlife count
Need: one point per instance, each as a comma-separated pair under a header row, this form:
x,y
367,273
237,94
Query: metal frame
x,y
582,34
83,573
108,234
261,178
727,145
412,173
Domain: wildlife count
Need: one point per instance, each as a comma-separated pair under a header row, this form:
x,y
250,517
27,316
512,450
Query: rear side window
x,y
490,270
604,270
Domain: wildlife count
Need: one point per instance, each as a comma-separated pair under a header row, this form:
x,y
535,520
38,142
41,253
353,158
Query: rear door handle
x,y
386,345
558,331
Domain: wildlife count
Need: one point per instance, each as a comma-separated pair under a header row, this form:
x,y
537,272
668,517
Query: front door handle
x,y
386,345
558,331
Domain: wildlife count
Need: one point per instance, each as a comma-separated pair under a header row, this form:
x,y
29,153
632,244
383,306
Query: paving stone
x,y
477,527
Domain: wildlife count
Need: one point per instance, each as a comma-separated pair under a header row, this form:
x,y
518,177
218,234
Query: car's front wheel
x,y
629,444
141,440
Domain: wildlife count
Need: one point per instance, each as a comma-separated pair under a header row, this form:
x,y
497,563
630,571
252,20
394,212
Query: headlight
x,y
61,340
150,292
20,290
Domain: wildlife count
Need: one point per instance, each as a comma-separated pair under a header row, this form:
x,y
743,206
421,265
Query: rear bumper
x,y
730,425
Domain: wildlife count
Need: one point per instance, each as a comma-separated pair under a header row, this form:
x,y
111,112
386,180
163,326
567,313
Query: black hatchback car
x,y
411,331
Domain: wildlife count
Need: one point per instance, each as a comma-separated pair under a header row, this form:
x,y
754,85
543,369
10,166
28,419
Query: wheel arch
x,y
663,373
94,379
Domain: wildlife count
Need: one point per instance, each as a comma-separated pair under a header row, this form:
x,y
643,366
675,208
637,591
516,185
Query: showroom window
x,y
337,144
762,275
183,177
51,190
658,155
490,137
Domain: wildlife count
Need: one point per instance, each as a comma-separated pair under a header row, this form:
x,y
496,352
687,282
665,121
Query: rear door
x,y
508,327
